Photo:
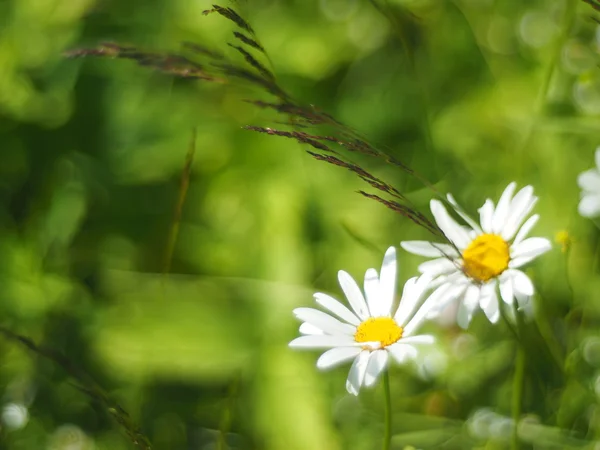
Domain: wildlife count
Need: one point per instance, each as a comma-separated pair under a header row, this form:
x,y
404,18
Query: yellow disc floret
x,y
564,239
378,329
486,257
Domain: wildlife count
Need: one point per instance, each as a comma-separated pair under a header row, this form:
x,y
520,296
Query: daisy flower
x,y
483,258
368,333
589,182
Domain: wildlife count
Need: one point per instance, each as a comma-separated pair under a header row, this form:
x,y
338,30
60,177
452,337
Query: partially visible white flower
x,y
369,333
589,182
483,259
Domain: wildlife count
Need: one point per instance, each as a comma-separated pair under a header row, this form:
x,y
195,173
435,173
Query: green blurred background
x,y
472,94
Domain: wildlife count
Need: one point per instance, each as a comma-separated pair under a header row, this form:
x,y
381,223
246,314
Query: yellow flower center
x,y
378,329
564,239
486,257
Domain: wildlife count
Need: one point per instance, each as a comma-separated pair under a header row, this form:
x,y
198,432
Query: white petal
x,y
353,294
453,231
520,261
491,308
520,207
525,229
456,277
372,290
589,180
467,306
417,340
387,283
307,328
324,321
336,308
429,249
411,297
441,298
486,215
336,356
472,295
524,301
531,247
521,282
323,341
357,373
501,213
401,352
437,300
377,363
438,266
589,206
506,289
474,225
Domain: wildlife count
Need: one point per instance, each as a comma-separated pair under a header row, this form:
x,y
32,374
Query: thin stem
x,y
509,325
183,189
227,416
596,255
387,437
517,395
518,381
568,17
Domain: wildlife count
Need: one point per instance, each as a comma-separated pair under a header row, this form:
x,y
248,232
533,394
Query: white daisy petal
x,y
387,283
501,212
411,297
520,207
430,249
422,285
377,364
336,308
520,261
420,339
468,306
402,352
474,225
438,266
506,289
531,247
489,305
453,231
307,328
324,321
442,297
437,302
336,356
439,299
525,229
589,180
589,206
353,294
472,295
524,301
486,215
372,290
464,315
322,341
521,282
357,373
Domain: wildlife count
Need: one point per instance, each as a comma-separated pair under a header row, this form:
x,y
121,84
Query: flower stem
x,y
517,391
387,437
540,102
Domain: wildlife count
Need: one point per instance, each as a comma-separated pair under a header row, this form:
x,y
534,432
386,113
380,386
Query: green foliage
x,y
156,229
